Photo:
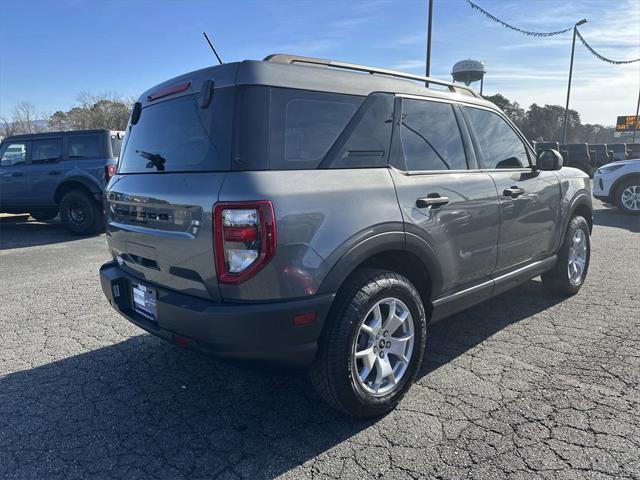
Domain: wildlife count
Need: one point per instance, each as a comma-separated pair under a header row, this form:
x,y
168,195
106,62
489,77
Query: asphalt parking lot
x,y
527,385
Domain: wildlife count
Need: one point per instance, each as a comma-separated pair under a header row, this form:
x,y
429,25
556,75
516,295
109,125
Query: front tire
x,y
628,197
372,345
570,271
80,214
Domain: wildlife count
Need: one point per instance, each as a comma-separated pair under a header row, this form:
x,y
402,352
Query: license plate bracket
x,y
144,301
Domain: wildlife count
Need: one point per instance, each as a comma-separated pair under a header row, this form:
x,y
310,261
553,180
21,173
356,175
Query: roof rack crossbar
x,y
292,59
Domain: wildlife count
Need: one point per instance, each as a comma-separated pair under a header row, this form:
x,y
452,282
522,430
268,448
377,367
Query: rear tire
x,y
377,322
627,197
572,266
80,214
44,215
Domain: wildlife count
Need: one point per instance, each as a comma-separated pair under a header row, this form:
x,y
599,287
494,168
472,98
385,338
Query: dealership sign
x,y
629,123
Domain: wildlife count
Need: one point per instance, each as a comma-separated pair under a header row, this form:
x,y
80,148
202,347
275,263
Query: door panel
x,y
528,219
45,170
13,163
462,232
529,199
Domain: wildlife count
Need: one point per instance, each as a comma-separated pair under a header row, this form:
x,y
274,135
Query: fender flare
x,y
380,243
86,181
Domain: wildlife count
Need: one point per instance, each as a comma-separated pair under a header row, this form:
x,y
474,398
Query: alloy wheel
x,y
383,347
577,256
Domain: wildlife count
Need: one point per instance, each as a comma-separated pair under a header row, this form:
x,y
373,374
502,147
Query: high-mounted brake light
x,y
170,90
244,239
109,171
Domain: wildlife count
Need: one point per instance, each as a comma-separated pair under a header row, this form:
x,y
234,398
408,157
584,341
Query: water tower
x,y
469,71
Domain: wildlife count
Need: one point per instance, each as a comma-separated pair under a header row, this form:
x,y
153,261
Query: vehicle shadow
x,y
612,217
33,233
143,407
453,336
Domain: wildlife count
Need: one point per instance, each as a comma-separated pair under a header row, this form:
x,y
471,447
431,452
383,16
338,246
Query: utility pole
x,y
566,109
637,121
429,23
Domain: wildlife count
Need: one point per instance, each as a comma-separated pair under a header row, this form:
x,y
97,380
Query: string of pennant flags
x,y
550,34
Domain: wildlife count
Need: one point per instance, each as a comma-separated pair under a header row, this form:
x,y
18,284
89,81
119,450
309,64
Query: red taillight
x,y
244,239
109,171
170,90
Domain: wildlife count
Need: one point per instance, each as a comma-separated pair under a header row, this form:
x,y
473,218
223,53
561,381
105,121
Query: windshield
x,y
175,134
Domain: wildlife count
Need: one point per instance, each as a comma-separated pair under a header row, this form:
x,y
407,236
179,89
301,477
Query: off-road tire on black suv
x,y
558,280
44,215
80,214
333,374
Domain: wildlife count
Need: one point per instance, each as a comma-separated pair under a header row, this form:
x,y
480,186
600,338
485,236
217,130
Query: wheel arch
x,y
405,254
581,205
75,183
613,195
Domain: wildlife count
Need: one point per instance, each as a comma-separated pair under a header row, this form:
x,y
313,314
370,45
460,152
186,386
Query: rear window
x,y
84,147
176,134
305,124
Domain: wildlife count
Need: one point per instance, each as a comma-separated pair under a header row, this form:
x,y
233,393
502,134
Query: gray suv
x,y
318,214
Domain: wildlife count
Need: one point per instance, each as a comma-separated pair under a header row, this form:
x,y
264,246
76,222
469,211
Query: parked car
x,y
59,172
618,183
633,150
578,156
277,211
601,154
619,151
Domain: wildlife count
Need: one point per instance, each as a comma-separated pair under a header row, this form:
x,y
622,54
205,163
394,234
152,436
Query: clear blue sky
x,y
52,50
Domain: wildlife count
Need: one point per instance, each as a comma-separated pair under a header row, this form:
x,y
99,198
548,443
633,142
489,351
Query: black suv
x,y
64,172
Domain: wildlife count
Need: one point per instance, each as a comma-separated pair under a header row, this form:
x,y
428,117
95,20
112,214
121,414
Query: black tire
x,y
333,373
632,182
44,215
80,214
558,279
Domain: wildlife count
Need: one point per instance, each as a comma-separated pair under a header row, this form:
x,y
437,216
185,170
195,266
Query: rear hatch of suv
x,y
175,156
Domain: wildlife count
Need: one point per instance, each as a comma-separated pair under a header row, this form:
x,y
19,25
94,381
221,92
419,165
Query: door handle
x,y
513,192
54,172
17,174
432,200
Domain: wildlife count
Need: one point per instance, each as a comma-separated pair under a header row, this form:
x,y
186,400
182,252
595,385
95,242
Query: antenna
x,y
212,47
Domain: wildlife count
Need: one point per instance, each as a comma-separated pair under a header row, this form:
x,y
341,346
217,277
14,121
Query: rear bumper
x,y
240,331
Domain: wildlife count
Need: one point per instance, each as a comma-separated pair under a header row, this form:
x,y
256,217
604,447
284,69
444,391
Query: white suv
x,y
618,183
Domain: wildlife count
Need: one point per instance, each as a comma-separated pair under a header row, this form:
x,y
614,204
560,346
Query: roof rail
x,y
291,59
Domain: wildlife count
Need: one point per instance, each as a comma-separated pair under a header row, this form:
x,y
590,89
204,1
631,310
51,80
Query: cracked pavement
x,y
526,385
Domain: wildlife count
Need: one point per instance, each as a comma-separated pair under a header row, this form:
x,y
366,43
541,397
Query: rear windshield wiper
x,y
155,159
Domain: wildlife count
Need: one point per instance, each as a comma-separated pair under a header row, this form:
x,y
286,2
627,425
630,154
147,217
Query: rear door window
x,y
84,147
175,135
431,137
499,145
305,124
46,150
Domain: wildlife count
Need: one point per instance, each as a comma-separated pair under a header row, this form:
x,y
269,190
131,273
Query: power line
x,y
602,57
524,32
550,34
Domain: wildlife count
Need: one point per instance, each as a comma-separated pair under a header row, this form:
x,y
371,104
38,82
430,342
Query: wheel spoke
x,y
394,321
384,371
399,346
368,360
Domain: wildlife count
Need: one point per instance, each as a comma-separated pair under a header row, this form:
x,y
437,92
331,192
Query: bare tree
x,y
24,118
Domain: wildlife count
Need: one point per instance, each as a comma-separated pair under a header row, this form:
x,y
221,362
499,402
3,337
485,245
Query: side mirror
x,y
549,160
